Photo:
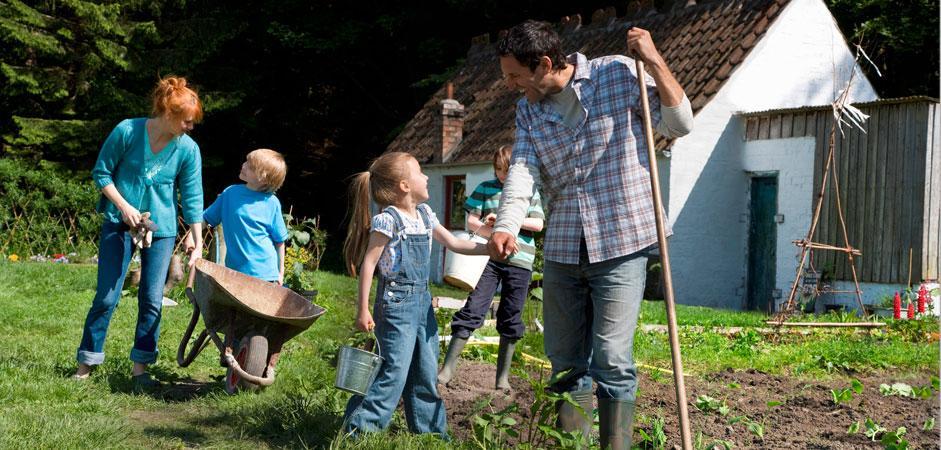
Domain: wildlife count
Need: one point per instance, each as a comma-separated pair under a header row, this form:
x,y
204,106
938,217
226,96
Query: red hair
x,y
173,96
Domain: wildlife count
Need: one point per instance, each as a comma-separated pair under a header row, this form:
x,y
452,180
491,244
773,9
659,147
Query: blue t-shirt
x,y
252,224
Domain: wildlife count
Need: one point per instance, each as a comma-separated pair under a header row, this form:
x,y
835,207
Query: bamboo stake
x,y
680,384
846,237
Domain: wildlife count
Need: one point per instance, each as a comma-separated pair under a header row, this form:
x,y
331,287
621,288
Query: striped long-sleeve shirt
x,y
486,199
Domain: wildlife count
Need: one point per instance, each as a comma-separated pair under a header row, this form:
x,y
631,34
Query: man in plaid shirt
x,y
580,139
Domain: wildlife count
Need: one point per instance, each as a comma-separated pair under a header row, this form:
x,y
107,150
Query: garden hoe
x,y
680,385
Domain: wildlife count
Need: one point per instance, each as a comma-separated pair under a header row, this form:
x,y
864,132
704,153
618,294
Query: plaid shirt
x,y
595,178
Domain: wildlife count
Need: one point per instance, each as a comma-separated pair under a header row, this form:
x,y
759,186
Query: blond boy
x,y
250,213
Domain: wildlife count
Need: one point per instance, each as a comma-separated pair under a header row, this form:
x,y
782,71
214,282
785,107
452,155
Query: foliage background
x,y
328,84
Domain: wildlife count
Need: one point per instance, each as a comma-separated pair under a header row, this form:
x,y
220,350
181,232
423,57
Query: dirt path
x,y
806,417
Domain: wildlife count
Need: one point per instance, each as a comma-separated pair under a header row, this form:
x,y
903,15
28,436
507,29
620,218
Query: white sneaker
x,y
169,302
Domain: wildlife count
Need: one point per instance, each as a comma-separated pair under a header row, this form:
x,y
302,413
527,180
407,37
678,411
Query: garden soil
x,y
807,417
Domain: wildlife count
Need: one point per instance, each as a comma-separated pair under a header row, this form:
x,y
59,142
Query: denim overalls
x,y
407,334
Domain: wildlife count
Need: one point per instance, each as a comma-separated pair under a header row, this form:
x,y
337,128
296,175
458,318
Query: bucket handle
x,y
376,341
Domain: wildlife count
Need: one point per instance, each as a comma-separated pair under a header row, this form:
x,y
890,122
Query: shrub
x,y
46,208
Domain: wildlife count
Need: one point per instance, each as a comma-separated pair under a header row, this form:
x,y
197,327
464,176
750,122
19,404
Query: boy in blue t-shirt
x,y
251,219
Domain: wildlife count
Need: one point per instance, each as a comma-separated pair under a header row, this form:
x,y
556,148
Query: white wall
x,y
475,174
791,66
793,161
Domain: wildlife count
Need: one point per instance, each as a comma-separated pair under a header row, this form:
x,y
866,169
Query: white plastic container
x,y
463,271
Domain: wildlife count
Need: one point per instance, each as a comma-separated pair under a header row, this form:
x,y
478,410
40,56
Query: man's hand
x,y
640,45
490,220
502,245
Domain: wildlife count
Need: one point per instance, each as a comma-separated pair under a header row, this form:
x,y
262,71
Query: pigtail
x,y
357,234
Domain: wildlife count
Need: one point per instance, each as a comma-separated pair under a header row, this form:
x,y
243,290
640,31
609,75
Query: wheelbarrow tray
x,y
227,298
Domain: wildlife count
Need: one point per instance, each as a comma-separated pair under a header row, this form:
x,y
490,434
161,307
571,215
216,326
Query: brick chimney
x,y
451,126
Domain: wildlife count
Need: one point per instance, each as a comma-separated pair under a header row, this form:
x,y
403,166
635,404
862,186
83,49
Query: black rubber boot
x,y
504,361
450,360
616,422
571,419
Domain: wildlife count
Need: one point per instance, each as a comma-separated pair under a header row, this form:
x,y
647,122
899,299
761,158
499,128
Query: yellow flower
x,y
13,257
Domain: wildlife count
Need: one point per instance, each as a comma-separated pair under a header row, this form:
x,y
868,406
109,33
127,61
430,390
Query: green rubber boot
x,y
571,419
616,421
504,361
450,360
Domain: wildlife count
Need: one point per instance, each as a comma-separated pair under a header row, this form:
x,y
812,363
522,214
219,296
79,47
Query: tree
x,y
901,37
61,67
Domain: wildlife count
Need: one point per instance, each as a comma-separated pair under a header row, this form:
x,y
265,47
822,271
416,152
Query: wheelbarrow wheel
x,y
252,356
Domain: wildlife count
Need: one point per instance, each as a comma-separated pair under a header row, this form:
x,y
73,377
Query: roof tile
x,y
703,43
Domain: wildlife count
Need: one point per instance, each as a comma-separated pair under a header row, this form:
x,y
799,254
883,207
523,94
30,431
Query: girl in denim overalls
x,y
398,240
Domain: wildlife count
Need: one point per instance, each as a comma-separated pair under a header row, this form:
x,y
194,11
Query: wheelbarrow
x,y
256,318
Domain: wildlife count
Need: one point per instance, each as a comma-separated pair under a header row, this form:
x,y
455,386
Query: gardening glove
x,y
142,236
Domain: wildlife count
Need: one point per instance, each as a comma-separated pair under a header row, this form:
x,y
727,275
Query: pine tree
x,y
62,63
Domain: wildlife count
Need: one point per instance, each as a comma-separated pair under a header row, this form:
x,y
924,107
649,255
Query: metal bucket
x,y
356,369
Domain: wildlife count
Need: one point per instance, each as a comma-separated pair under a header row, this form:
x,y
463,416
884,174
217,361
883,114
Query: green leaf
x,y
857,386
757,429
853,428
928,425
774,403
736,419
302,237
536,293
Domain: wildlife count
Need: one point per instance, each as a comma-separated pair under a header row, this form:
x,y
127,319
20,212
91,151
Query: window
x,y
455,194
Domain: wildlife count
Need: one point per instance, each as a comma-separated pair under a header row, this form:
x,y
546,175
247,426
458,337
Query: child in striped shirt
x,y
514,273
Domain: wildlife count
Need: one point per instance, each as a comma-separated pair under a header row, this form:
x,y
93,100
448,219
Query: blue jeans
x,y
509,315
590,313
114,255
408,341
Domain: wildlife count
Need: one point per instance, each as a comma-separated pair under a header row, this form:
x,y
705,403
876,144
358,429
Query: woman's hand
x,y
490,220
364,321
131,216
195,253
189,244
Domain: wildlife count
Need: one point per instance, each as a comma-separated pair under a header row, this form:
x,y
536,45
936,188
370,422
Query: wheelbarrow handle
x,y
201,341
191,279
267,380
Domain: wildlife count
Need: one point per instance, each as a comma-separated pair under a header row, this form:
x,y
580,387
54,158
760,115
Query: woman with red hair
x,y
140,169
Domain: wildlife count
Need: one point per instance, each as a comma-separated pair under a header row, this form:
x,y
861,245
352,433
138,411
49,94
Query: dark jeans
x,y
509,315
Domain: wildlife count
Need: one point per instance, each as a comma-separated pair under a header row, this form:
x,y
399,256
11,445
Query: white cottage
x,y
732,57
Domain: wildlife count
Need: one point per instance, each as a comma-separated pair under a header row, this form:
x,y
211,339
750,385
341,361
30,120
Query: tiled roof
x,y
703,43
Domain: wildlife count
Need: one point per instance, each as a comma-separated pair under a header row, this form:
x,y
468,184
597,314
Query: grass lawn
x,y
43,306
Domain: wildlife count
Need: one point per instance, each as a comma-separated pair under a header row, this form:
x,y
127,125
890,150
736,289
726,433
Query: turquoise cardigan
x,y
150,183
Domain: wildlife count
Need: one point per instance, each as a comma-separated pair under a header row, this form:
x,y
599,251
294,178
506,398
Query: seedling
x,y
853,428
841,395
894,440
657,438
928,425
757,428
900,389
707,404
873,429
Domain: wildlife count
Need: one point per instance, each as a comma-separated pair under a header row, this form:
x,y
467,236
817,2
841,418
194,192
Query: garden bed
x,y
786,412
